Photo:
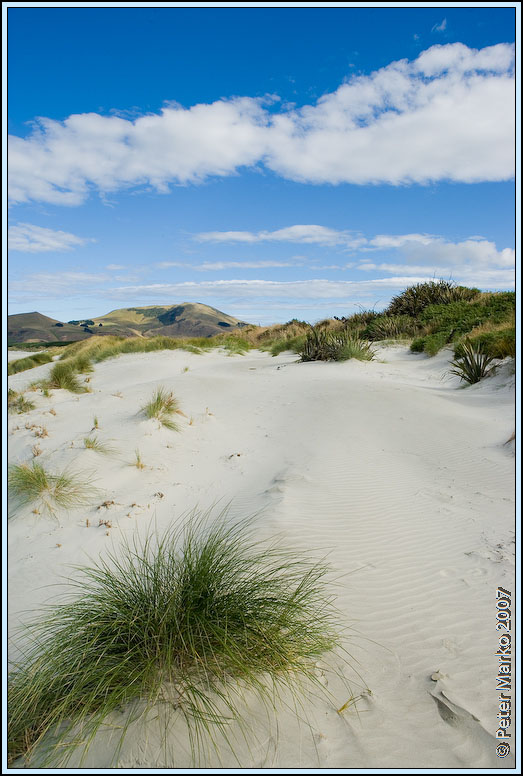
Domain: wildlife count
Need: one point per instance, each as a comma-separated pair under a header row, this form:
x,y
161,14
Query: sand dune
x,y
388,466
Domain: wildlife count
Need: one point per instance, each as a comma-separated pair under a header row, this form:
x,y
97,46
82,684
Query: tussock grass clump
x,y
391,327
473,364
29,362
32,483
354,347
16,402
189,619
162,406
321,345
63,375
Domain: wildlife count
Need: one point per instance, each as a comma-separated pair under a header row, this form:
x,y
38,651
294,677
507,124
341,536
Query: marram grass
x,y
162,406
93,443
188,620
30,484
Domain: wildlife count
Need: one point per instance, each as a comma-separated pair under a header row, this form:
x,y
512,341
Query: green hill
x,y
188,319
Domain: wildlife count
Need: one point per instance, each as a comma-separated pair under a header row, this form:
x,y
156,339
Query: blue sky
x,y
271,162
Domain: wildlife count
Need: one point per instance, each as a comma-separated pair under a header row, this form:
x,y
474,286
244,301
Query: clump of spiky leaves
x,y
190,619
321,345
32,483
162,406
93,443
473,364
16,402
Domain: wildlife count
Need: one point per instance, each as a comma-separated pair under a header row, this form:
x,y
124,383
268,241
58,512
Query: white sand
x,y
390,466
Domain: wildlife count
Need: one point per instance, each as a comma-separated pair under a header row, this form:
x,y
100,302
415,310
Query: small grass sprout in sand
x,y
162,406
93,443
32,483
191,619
16,402
138,460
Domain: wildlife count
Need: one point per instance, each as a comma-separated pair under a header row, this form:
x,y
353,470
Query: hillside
x,y
35,327
182,320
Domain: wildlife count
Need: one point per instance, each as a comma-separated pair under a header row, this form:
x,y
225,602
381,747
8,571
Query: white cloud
x,y
214,266
449,114
115,266
29,238
424,249
45,285
299,233
261,289
441,27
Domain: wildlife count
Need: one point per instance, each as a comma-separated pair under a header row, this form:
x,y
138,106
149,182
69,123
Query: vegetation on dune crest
x,y
191,620
416,298
432,314
21,364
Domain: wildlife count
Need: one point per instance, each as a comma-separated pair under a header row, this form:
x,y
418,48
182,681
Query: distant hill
x,y
35,327
188,319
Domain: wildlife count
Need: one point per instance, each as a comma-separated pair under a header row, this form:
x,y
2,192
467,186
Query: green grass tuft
x,y
162,406
32,483
190,620
63,376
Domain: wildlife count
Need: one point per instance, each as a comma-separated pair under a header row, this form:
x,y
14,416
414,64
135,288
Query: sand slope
x,y
403,478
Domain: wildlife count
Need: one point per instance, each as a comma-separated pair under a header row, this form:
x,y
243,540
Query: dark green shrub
x,y
391,327
416,298
497,344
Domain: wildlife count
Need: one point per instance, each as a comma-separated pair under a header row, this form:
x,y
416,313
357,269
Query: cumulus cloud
x,y
29,238
449,114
